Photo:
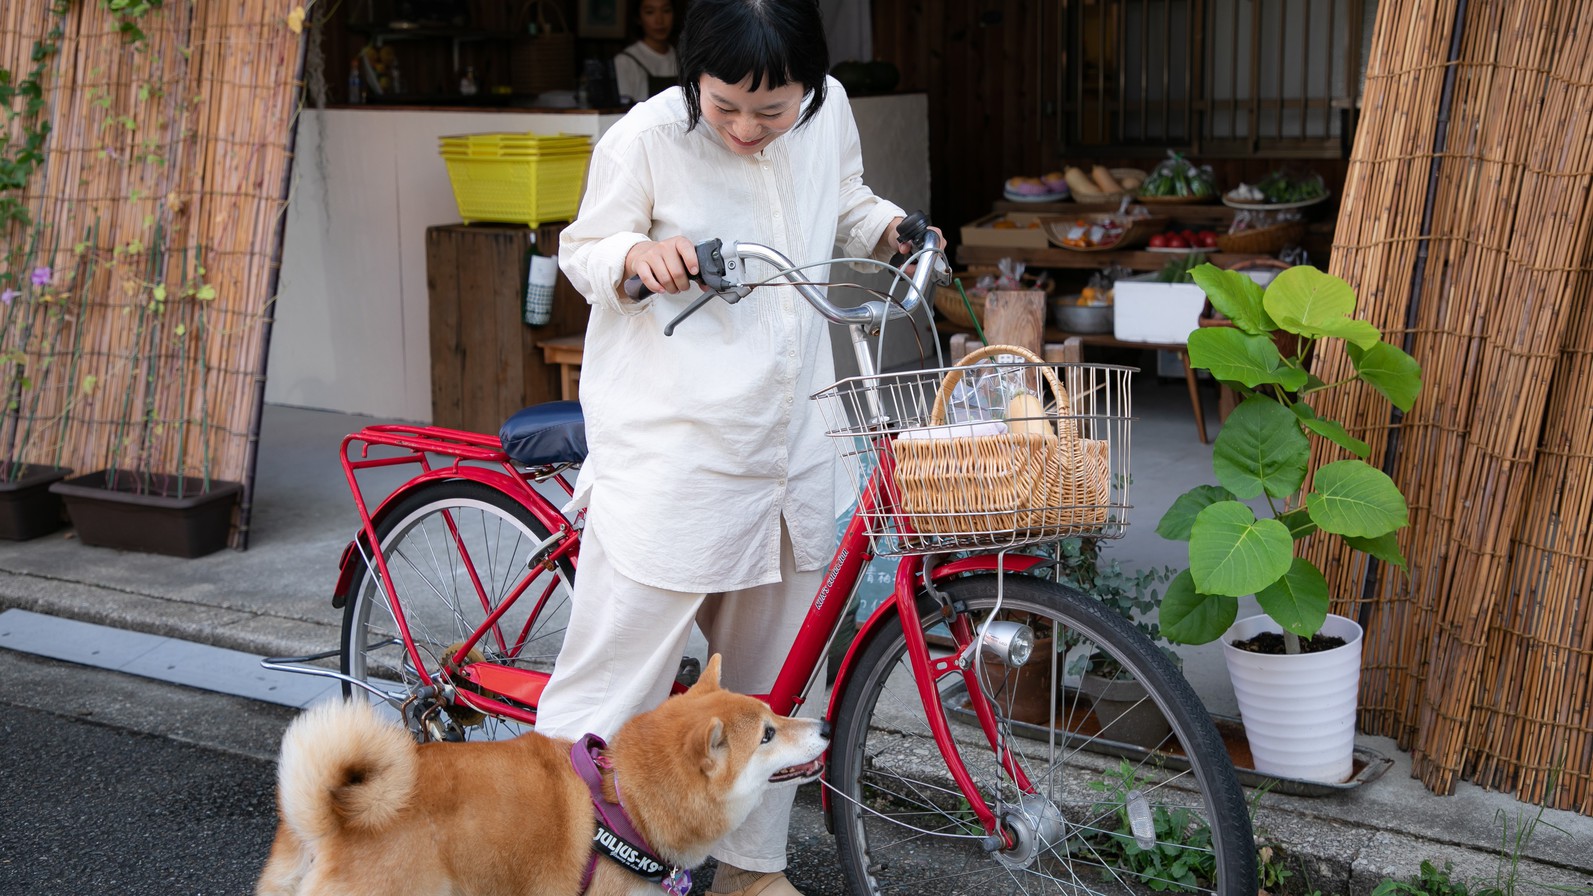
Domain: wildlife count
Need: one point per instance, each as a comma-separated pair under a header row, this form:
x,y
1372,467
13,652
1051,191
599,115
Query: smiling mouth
x,y
807,771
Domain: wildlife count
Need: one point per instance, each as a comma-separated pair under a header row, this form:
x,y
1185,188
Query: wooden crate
x,y
485,363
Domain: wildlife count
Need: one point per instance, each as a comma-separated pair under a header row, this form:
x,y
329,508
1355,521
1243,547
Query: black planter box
x,y
28,509
140,512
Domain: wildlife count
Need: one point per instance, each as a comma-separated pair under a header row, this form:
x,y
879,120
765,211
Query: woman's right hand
x,y
666,266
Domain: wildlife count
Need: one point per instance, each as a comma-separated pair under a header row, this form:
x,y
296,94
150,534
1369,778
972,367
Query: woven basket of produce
x,y
1262,240
1101,185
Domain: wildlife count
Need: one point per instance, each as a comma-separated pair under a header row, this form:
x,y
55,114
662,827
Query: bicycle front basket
x,y
993,452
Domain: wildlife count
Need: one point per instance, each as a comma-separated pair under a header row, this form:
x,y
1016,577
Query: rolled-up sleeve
x,y
612,220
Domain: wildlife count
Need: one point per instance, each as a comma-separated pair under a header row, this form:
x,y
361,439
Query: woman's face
x,y
748,120
658,20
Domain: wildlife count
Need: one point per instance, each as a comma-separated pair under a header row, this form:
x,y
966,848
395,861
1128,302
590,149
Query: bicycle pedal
x,y
690,671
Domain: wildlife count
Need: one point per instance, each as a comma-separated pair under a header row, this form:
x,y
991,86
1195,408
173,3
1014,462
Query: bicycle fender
x,y
886,612
352,563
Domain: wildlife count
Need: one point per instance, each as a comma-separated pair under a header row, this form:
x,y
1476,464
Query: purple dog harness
x,y
616,837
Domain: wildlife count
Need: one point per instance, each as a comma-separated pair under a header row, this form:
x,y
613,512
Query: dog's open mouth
x,y
807,771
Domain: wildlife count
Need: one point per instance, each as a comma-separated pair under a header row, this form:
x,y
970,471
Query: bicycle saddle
x,y
550,433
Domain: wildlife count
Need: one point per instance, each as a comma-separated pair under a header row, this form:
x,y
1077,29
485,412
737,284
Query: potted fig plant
x,y
1298,707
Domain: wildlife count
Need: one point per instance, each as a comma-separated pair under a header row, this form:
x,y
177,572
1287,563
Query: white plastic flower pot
x,y
1298,711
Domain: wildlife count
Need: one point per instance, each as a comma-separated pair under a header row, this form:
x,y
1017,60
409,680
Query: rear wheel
x,y
1125,798
456,551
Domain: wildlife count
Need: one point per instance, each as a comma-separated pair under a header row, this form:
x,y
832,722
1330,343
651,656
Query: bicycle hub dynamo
x,y
1036,825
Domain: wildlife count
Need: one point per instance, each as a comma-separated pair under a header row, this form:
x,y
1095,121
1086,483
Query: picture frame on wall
x,y
601,18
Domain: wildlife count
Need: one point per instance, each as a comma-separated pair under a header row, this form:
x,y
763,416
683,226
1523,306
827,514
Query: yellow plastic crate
x,y
516,178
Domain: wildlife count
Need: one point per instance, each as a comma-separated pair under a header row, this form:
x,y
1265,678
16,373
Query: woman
x,y
649,65
710,487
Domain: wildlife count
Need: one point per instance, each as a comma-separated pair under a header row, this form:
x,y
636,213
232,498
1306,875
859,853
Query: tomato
x,y
1177,241
1159,241
1207,238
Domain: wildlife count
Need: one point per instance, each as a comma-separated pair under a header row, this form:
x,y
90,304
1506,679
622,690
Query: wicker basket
x,y
1262,240
983,489
949,304
1135,234
1089,197
543,61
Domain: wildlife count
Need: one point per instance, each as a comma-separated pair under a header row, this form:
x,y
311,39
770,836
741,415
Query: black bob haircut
x,y
774,42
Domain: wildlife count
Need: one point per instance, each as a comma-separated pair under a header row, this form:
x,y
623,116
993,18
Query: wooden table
x,y
565,352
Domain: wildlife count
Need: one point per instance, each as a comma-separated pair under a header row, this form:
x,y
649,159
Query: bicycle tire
x,y
441,604
890,781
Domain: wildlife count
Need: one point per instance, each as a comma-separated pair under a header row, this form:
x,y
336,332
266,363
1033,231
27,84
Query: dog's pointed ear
x,y
709,679
715,746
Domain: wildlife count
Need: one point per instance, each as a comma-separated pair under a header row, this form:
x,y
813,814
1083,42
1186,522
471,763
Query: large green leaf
x,y
1307,301
1176,521
1351,497
1189,617
1331,430
1390,371
1299,600
1234,294
1261,450
1384,547
1240,357
1233,553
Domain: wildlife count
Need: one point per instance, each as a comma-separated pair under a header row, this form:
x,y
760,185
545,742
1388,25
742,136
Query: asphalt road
x,y
112,783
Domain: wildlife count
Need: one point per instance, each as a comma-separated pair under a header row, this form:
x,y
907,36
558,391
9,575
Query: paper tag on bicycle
x,y
986,388
540,282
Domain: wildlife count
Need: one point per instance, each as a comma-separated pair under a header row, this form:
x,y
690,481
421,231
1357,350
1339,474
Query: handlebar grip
x,y
634,290
911,230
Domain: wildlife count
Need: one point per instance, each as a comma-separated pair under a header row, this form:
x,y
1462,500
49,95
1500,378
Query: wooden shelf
x,y
1052,257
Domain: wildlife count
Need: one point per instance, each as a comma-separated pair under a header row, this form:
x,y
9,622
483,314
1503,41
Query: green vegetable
x,y
1177,270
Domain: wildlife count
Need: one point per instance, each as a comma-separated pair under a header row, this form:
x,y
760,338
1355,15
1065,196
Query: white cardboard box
x,y
1146,311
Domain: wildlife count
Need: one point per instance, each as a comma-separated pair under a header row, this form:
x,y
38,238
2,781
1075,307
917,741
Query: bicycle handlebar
x,y
718,271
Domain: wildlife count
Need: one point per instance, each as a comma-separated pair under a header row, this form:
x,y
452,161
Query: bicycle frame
x,y
479,458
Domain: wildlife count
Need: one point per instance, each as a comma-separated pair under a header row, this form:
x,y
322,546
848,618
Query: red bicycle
x,y
970,752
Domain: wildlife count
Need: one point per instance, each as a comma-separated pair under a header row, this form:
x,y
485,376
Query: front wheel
x,y
1126,794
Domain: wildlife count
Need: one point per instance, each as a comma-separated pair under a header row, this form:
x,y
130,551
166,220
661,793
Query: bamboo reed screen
x,y
1465,226
157,210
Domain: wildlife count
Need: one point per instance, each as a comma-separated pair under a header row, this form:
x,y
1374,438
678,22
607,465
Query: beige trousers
x,y
623,650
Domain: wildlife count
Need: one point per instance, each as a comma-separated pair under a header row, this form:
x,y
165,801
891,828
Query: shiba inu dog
x,y
366,810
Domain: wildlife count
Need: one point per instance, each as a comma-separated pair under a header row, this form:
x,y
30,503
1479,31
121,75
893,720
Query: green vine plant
x,y
39,284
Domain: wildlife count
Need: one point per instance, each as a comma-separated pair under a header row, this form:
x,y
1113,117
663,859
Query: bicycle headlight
x,y
1007,642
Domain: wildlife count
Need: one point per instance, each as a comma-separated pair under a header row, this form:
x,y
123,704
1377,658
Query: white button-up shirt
x,y
699,443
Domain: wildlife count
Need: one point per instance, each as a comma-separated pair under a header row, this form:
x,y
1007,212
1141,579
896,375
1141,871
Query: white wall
x,y
351,331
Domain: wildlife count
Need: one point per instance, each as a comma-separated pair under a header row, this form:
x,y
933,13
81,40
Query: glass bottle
x,y
467,84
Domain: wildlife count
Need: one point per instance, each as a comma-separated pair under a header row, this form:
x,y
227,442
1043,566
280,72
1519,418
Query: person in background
x,y
709,485
649,65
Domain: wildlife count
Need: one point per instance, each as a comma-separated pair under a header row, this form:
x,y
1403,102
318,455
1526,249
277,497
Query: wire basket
x,y
953,459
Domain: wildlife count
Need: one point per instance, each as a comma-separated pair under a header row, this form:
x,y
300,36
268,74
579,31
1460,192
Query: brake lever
x,y
711,273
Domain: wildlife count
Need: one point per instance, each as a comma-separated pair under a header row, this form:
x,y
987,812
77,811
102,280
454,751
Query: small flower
x,y
9,296
41,276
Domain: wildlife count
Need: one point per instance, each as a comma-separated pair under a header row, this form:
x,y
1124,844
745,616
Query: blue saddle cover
x,y
550,433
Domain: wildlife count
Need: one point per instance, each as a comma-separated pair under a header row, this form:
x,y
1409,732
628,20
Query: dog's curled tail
x,y
343,766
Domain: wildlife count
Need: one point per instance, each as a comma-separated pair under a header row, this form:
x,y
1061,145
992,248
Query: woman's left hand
x,y
903,246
